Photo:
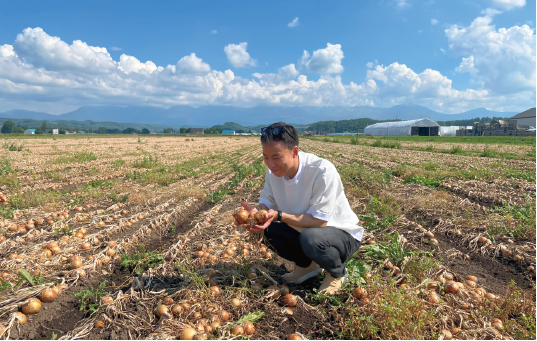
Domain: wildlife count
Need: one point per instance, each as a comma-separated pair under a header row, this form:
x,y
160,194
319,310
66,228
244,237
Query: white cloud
x,y
131,64
443,51
237,55
508,4
36,47
434,21
402,4
324,61
293,23
502,59
115,48
192,64
35,76
490,12
419,31
214,32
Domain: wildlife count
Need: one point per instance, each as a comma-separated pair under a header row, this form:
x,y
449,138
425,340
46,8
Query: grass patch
x,y
141,260
419,180
90,299
78,157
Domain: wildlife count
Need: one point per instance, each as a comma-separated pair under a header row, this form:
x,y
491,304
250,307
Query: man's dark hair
x,y
288,135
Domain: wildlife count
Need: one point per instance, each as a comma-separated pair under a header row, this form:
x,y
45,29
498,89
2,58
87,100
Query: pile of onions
x,y
451,287
242,217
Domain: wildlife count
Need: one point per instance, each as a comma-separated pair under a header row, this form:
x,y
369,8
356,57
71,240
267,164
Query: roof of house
x,y
32,130
227,131
530,113
422,122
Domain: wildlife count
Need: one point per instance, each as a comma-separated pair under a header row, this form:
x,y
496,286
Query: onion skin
x,y
276,291
32,307
241,216
161,309
289,300
471,278
261,217
284,290
451,287
237,330
188,334
248,328
224,316
20,317
294,337
177,310
446,334
359,293
98,324
236,302
48,295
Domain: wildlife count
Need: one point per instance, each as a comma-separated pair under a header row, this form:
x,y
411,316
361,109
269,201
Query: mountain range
x,y
207,116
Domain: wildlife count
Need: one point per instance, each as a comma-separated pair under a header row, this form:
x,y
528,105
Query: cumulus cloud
x,y
237,55
115,48
434,21
40,72
214,32
193,65
293,23
508,4
402,4
324,61
502,59
490,12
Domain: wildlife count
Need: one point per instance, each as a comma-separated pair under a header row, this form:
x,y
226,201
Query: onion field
x,y
133,238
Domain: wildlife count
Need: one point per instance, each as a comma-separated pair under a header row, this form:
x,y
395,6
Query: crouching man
x,y
309,221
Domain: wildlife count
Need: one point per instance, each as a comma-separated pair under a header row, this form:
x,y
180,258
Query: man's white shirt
x,y
316,189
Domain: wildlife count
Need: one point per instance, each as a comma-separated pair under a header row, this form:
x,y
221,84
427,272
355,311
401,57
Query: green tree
x,y
182,130
188,130
44,125
102,130
39,130
7,127
167,130
129,130
145,131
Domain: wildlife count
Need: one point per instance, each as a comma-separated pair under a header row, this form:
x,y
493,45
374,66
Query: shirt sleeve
x,y
267,197
324,196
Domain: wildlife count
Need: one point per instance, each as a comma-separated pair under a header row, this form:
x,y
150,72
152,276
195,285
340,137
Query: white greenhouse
x,y
420,127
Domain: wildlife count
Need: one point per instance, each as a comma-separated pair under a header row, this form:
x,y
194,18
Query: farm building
x,y
29,132
196,130
420,127
230,132
55,131
526,118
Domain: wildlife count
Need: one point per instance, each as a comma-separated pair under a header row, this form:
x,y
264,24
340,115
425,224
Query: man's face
x,y
278,158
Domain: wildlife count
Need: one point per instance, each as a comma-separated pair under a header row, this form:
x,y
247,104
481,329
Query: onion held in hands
x,y
261,217
241,216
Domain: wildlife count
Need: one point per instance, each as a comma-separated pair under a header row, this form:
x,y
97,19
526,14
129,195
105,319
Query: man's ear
x,y
295,151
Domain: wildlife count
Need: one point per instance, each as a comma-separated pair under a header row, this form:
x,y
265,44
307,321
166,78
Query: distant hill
x,y
207,116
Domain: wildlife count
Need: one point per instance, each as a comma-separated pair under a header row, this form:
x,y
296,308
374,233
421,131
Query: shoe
x,y
331,285
299,275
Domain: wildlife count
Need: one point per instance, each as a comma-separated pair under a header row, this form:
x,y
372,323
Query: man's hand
x,y
271,215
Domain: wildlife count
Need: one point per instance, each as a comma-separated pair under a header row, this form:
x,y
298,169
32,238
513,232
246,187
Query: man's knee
x,y
312,239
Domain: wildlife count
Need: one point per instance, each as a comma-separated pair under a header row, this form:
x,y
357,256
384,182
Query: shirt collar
x,y
294,180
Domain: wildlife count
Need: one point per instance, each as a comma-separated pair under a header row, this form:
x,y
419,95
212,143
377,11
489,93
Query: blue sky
x,y
450,56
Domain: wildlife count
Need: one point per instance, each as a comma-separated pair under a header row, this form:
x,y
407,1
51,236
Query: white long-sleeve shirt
x,y
316,189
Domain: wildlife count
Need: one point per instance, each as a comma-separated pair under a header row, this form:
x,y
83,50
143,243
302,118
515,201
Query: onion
x,y
482,240
276,290
289,300
481,292
224,316
429,234
236,302
388,265
432,285
85,246
446,334
518,258
471,278
237,330
76,263
461,286
168,301
248,327
256,286
433,298
451,287
20,317
210,272
48,295
294,337
497,323
284,290
448,276
110,252
359,293
261,217
215,290
186,306
470,284
455,330
241,216
490,296
51,245
98,324
60,288
368,275
188,334
47,253
107,300
32,307
161,309
55,249
112,244
364,301
215,325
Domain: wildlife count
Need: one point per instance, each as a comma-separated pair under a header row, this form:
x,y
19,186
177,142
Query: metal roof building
x,y
420,127
525,118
